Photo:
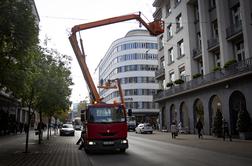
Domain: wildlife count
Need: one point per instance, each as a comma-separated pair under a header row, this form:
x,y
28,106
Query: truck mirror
x,y
83,115
129,112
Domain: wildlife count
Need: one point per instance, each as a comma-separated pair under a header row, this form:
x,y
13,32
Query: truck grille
x,y
107,134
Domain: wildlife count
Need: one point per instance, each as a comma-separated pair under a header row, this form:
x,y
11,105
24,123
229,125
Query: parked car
x,y
144,128
67,129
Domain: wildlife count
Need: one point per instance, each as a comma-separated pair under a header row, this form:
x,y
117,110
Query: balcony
x,y
236,70
197,53
234,31
233,3
160,74
213,44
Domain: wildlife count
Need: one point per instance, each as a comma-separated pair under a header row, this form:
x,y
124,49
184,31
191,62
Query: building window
x,y
162,62
179,22
176,3
215,29
161,42
236,15
163,84
169,31
170,56
217,59
172,76
181,51
212,4
199,40
196,12
201,66
168,9
182,73
239,51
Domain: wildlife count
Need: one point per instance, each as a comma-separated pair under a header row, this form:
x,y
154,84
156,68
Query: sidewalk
x,y
60,151
235,147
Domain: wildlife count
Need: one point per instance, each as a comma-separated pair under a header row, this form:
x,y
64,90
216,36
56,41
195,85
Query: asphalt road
x,y
148,152
143,151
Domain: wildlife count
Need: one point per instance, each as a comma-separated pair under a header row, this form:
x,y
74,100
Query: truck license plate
x,y
108,143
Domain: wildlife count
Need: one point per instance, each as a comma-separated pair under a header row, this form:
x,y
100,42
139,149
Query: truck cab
x,y
105,128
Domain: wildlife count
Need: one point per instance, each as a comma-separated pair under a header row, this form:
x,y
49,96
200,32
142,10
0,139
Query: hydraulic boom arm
x,y
155,28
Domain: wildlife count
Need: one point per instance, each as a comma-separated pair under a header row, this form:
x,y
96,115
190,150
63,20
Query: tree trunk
x,y
27,128
40,127
48,127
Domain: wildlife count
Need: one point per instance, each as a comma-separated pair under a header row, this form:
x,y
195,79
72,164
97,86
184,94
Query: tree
x,y
18,47
243,122
81,106
55,92
179,81
18,37
169,84
217,126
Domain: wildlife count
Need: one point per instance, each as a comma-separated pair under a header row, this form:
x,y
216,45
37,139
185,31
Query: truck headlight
x,y
91,143
124,141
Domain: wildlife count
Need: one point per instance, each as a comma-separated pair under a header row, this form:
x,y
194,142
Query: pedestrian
x,y
26,127
180,127
199,127
173,130
81,140
226,130
21,127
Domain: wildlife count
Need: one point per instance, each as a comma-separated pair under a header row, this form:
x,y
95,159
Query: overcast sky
x,y
57,17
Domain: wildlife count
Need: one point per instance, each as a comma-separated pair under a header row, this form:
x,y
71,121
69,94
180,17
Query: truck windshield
x,y
106,115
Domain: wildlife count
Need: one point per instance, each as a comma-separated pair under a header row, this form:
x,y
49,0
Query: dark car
x,y
67,129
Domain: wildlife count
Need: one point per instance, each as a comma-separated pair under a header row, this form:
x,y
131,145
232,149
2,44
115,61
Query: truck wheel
x,y
122,150
87,151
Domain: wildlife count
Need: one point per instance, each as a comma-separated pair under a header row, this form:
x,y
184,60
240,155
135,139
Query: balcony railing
x,y
234,29
211,43
197,53
160,73
207,80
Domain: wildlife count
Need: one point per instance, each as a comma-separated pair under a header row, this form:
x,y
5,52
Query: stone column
x,y
246,15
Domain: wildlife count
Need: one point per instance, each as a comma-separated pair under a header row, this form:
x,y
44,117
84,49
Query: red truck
x,y
105,125
105,128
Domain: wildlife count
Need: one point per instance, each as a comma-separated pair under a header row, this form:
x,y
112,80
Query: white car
x,y
77,127
144,128
67,129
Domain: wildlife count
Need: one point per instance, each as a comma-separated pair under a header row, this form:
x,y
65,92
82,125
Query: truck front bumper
x,y
100,145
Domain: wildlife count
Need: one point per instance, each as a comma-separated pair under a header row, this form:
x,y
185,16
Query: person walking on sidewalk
x,y
173,130
226,130
199,127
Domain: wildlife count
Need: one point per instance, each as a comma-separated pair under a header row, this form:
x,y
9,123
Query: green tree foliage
x,y
217,126
18,37
55,81
40,77
81,106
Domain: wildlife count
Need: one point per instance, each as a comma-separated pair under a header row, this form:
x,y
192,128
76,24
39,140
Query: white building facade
x,y
205,57
133,59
